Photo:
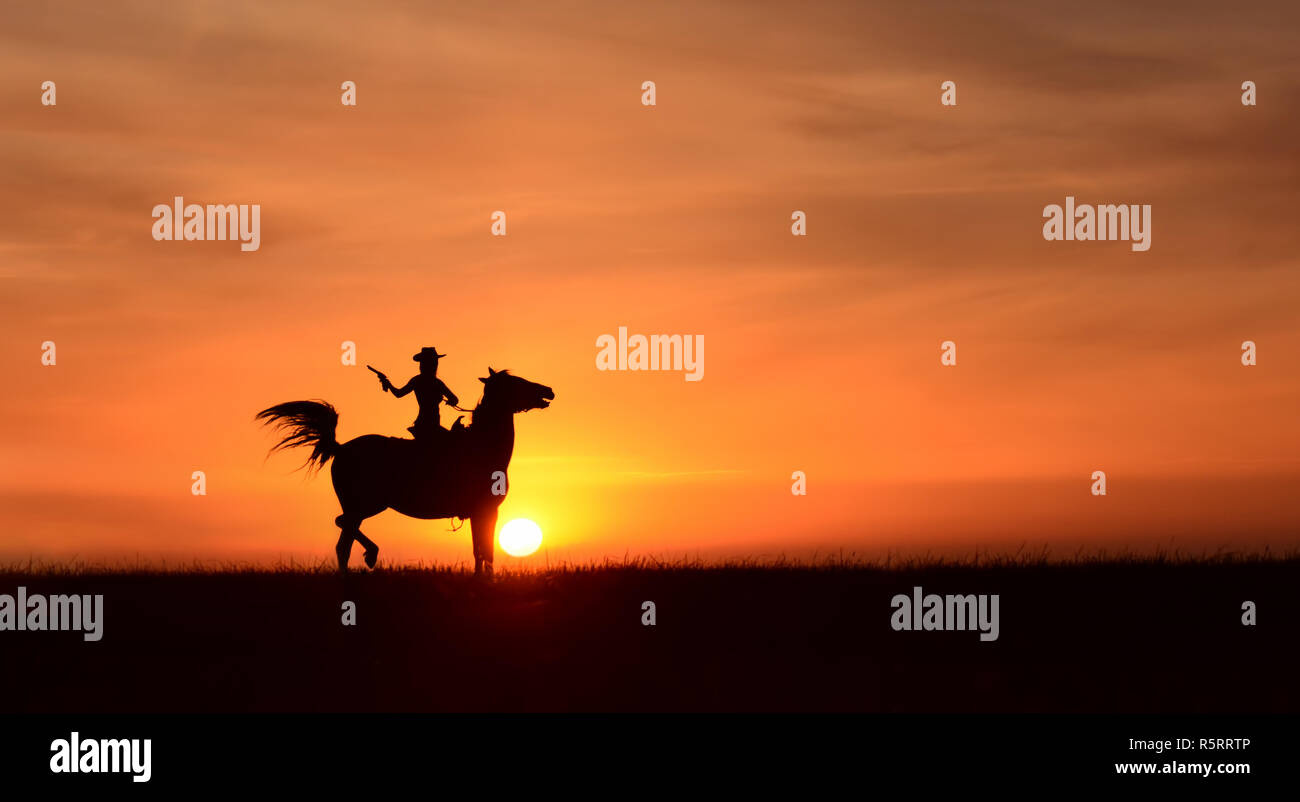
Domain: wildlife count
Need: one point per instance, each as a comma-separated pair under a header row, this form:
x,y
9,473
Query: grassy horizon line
x,y
34,567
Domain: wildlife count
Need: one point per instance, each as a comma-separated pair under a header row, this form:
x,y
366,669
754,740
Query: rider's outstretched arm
x,y
406,388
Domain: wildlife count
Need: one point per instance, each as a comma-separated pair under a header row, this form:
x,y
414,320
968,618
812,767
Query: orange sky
x,y
822,353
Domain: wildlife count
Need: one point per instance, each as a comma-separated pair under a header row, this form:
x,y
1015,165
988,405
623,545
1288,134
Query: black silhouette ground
x,y
1092,636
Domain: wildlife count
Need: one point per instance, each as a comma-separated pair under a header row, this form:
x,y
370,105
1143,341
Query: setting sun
x,y
520,537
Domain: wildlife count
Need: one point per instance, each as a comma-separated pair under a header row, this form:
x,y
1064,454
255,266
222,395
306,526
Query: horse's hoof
x,y
372,557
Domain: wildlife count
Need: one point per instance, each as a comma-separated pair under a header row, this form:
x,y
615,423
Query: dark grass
x,y
1155,633
1022,558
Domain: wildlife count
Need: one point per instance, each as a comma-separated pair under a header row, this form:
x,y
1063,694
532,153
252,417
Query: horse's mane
x,y
495,373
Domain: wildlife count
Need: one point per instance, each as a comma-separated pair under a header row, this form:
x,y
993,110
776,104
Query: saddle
x,y
436,437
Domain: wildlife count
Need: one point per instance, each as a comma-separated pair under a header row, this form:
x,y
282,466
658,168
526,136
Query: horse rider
x,y
429,392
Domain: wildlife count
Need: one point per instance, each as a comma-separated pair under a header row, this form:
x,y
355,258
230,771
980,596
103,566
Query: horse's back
x,y
368,442
419,479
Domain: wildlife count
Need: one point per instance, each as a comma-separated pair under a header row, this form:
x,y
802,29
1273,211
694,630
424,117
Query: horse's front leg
x,y
483,530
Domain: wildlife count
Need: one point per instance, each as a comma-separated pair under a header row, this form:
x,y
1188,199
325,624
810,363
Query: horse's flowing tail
x,y
305,423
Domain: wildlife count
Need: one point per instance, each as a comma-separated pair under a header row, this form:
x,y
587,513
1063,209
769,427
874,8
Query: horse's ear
x,y
491,373
483,380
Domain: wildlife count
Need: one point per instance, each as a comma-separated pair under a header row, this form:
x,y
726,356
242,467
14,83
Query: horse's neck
x,y
496,428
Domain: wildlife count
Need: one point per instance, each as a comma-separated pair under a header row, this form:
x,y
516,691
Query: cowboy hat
x,y
427,353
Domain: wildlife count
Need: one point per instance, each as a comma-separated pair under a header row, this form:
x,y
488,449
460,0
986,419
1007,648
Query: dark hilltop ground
x,y
1158,635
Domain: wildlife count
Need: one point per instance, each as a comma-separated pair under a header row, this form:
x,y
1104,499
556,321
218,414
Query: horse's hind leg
x,y
352,531
343,549
372,551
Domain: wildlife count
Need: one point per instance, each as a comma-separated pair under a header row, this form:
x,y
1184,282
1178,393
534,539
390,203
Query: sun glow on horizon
x,y
520,537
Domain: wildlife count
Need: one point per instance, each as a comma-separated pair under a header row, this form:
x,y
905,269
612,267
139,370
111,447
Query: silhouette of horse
x,y
454,477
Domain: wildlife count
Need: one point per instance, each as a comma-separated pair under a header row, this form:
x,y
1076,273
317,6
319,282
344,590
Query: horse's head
x,y
514,393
